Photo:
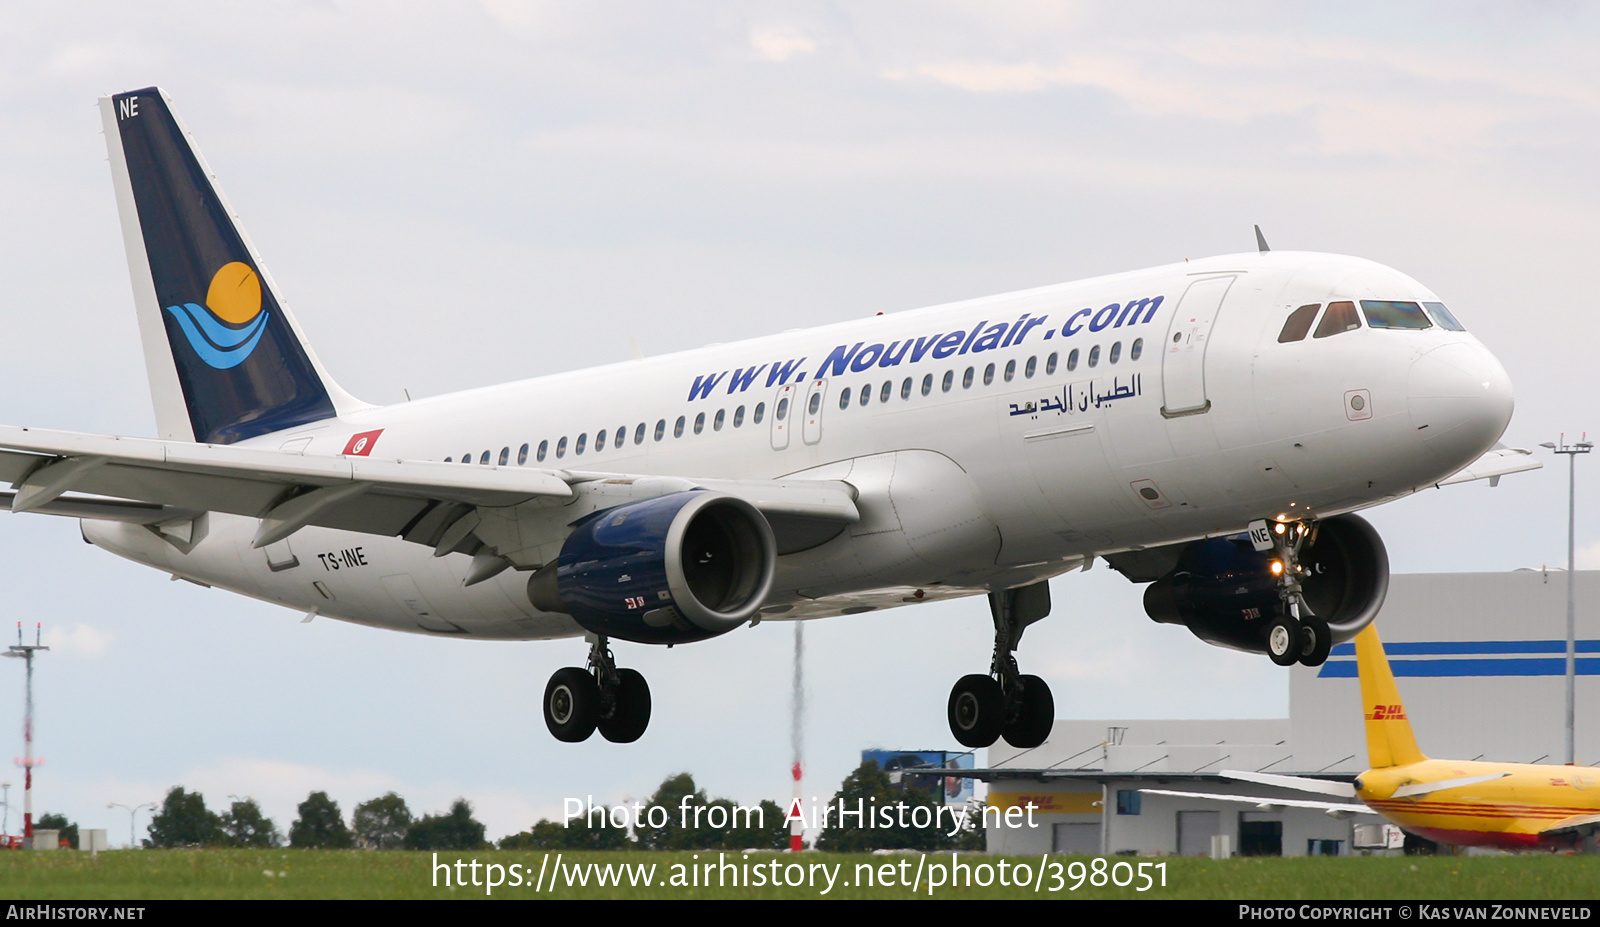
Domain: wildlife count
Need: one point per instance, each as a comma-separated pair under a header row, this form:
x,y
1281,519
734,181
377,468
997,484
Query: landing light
x,y
1279,527
1277,568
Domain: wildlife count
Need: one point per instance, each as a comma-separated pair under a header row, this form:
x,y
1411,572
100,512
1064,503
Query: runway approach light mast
x,y
25,653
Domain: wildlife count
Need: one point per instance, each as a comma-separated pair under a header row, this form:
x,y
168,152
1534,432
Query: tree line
x,y
688,819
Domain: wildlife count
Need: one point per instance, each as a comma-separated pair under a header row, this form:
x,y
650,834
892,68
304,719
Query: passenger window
x,y
1442,316
1028,369
815,405
927,383
738,417
783,409
988,375
885,390
1050,364
522,455
1011,370
467,457
484,460
677,427
949,380
561,447
449,460
1094,356
599,441
905,389
1135,349
866,394
620,438
700,423
966,379
1298,325
759,413
661,428
716,423
1341,317
1390,313
582,440
638,434
1116,353
505,456
844,398
544,447
1072,360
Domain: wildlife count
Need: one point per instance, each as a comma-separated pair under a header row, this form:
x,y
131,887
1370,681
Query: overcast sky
x,y
453,195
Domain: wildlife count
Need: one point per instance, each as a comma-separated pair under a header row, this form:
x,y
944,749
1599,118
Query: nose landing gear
x,y
1005,703
1298,635
614,701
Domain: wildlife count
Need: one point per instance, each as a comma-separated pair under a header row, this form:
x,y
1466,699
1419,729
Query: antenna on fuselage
x,y
1261,241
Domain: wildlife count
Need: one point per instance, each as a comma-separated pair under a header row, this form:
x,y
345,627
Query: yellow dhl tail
x,y
1389,738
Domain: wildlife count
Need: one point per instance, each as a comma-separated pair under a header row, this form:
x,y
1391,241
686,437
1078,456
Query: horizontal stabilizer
x,y
1427,788
1330,807
1298,783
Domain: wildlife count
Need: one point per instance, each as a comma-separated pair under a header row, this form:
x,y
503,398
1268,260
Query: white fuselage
x,y
1191,420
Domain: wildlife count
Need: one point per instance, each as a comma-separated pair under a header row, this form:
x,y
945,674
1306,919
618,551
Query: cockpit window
x,y
1341,317
1299,323
1390,313
1443,318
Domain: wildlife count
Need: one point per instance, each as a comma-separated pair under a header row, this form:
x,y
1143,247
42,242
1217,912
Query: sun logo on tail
x,y
229,326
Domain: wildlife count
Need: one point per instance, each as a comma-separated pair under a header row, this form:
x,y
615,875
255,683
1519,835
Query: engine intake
x,y
677,568
1224,591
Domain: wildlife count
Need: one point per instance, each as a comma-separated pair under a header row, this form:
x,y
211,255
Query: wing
x,y
1580,824
1495,463
447,506
1330,807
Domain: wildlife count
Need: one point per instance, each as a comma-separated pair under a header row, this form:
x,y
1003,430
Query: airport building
x,y
1480,659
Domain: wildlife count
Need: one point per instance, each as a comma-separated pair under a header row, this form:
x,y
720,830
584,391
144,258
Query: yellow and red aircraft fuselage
x,y
1514,812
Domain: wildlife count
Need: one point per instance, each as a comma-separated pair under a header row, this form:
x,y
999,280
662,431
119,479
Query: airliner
x,y
1206,427
1508,806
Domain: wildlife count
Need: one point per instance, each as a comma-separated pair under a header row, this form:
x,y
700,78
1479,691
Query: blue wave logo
x,y
228,327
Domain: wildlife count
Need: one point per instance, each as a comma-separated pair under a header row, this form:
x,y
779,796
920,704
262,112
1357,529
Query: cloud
x,y
82,641
780,43
1588,556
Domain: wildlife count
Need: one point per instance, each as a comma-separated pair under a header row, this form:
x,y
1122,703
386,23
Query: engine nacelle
x,y
669,570
1224,591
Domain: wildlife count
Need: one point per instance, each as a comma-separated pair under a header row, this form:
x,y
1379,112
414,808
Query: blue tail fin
x,y
225,359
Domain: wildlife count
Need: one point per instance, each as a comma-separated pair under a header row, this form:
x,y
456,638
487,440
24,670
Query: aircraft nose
x,y
1460,401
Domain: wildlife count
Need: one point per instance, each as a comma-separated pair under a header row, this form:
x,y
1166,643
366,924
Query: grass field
x,y
306,874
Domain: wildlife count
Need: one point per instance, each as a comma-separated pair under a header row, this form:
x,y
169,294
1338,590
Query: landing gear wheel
x,y
977,711
630,711
1037,715
1316,641
571,704
1283,640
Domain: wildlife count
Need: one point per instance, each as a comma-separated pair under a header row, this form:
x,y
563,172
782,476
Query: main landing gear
x,y
1297,635
616,701
1006,703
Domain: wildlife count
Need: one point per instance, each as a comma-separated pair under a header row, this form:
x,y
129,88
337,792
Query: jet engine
x,y
1226,592
677,568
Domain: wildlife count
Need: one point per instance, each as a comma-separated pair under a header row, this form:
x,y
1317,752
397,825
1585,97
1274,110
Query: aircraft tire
x,y
631,715
976,711
1283,640
571,704
1316,641
1038,715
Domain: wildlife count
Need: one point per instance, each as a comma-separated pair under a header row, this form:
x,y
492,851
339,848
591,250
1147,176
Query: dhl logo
x,y
1387,713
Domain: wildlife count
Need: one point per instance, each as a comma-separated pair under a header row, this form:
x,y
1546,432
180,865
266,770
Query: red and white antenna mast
x,y
797,738
25,652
